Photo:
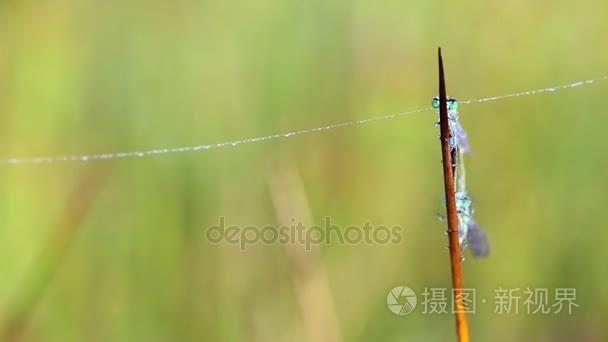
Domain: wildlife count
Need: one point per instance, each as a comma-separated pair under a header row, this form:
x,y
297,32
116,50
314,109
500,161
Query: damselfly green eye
x,y
463,201
435,103
452,104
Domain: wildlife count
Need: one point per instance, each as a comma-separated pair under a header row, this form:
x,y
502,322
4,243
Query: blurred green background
x,y
116,251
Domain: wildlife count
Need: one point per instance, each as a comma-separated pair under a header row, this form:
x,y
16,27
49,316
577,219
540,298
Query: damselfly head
x,y
452,103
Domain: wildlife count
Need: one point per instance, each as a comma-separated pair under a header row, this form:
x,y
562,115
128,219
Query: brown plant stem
x,y
462,327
